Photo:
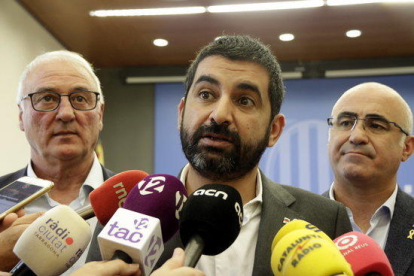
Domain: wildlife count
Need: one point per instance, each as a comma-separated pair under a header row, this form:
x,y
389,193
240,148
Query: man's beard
x,y
221,164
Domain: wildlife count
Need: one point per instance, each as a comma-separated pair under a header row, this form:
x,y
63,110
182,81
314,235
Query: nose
x,y
358,134
222,111
65,111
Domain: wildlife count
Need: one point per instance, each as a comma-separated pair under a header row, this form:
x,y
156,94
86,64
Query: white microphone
x,y
132,237
53,242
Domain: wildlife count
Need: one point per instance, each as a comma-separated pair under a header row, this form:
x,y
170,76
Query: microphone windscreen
x,y
364,254
134,236
54,241
161,196
215,213
111,195
303,252
298,224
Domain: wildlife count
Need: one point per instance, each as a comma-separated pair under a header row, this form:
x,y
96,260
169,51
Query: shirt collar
x,y
388,204
259,185
93,180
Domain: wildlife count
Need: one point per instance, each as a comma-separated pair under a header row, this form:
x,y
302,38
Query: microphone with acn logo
x,y
364,254
137,232
52,243
305,252
111,195
210,221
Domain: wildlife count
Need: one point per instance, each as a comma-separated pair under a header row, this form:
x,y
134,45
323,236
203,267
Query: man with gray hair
x,y
61,109
370,136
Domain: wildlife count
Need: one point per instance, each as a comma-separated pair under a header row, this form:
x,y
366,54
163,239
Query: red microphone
x,y
364,254
111,195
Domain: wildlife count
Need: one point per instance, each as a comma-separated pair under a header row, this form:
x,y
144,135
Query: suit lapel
x,y
400,241
275,209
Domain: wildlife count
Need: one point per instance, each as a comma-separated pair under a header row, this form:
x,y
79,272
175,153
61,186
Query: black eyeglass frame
x,y
30,95
330,123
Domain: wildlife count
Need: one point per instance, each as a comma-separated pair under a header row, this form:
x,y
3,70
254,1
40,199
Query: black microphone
x,y
210,221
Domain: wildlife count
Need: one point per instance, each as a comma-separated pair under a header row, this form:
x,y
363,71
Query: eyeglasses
x,y
49,101
374,124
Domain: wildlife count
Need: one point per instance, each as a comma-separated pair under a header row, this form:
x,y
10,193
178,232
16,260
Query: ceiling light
x,y
145,12
286,37
266,6
353,33
160,42
356,2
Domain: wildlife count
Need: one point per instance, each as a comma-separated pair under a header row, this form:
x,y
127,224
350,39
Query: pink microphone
x,y
364,254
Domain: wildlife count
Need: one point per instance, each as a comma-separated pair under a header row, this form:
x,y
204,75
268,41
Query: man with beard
x,y
229,115
369,138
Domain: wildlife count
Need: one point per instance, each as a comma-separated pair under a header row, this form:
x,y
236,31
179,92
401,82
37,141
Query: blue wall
x,y
303,145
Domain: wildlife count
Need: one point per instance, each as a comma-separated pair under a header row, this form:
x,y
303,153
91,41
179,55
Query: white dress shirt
x,y
380,220
238,259
94,179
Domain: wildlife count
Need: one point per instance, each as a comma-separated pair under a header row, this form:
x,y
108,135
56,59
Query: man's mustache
x,y
221,130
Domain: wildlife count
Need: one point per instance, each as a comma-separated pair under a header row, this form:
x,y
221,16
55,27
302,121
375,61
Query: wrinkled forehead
x,y
50,72
371,100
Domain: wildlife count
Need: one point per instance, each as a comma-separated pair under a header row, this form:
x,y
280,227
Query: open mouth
x,y
217,138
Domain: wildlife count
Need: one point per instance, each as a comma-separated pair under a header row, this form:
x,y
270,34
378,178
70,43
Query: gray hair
x,y
62,55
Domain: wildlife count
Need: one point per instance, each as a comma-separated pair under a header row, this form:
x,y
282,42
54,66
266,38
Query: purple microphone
x,y
160,196
152,207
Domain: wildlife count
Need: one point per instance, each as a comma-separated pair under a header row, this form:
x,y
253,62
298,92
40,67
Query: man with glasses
x,y
60,110
370,136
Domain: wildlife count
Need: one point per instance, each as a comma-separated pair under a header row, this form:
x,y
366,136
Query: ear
x,y
101,112
180,112
276,129
21,124
408,148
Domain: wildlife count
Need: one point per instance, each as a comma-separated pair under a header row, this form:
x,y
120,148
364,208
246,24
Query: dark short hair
x,y
244,48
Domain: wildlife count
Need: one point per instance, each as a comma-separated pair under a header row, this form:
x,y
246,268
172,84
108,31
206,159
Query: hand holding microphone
x,y
10,218
172,267
52,243
9,237
133,234
111,268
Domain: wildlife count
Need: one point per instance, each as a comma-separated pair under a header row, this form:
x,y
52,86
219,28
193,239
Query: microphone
x,y
298,224
52,243
210,221
364,254
111,195
161,196
304,252
149,216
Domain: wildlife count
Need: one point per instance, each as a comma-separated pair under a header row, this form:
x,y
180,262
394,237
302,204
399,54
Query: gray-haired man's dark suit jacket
x,y
400,242
9,178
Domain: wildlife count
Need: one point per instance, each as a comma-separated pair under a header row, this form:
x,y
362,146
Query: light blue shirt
x,y
380,220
